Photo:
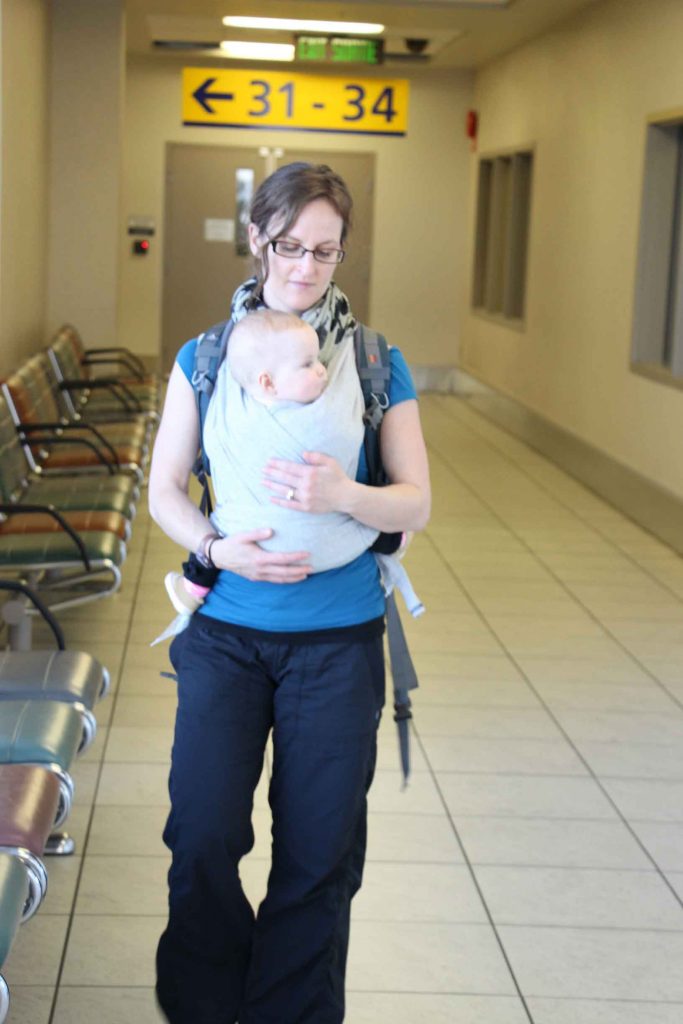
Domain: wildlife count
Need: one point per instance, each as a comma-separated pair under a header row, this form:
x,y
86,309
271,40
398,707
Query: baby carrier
x,y
374,370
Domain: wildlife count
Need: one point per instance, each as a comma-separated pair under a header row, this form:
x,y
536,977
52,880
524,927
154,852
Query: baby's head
x,y
274,356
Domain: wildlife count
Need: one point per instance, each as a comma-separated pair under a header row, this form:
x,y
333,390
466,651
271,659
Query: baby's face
x,y
299,375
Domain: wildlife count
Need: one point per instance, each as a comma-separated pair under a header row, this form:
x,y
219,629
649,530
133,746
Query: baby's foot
x,y
181,599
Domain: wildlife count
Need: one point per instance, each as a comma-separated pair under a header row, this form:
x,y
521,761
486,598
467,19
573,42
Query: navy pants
x,y
217,962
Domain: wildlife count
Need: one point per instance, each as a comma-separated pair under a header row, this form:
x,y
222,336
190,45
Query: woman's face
x,y
293,286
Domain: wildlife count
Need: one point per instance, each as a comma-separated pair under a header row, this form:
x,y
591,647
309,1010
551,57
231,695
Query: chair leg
x,y
106,683
19,625
4,999
59,844
37,886
66,793
89,730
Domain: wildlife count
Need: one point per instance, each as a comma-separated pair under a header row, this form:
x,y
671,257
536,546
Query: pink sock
x,y
195,589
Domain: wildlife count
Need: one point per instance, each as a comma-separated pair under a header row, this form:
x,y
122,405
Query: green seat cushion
x,y
39,732
40,549
116,494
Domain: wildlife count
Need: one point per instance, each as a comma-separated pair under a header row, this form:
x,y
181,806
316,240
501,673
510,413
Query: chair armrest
x,y
120,350
13,510
27,428
53,439
126,398
117,361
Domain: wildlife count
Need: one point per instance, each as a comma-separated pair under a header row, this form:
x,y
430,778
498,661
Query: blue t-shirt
x,y
345,596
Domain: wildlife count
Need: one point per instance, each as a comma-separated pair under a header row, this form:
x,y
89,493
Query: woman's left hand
x,y
318,485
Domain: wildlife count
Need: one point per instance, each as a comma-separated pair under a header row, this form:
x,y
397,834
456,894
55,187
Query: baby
x,y
273,397
274,358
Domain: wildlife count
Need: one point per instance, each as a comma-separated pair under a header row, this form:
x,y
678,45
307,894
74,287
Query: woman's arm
x,y
171,507
322,486
175,450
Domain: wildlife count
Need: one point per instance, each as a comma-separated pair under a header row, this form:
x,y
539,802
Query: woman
x,y
278,648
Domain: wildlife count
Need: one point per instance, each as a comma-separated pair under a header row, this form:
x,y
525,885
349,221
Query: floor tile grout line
x,y
488,925
580,709
86,837
432,921
677,780
533,689
475,882
538,557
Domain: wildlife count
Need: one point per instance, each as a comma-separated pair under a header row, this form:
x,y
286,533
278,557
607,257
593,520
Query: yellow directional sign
x,y
276,99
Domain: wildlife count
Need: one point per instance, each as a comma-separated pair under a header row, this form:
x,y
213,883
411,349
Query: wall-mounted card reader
x,y
145,226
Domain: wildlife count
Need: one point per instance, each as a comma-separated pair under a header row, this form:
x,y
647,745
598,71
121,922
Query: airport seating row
x,y
73,453
69,483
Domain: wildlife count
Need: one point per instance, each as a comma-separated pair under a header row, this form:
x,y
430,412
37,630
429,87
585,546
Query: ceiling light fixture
x,y
302,25
243,50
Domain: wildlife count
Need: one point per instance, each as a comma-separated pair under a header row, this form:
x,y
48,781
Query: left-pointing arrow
x,y
202,95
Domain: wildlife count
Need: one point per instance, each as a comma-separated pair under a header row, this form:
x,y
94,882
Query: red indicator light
x,y
141,246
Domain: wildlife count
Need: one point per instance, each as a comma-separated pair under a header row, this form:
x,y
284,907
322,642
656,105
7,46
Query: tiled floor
x,y
532,871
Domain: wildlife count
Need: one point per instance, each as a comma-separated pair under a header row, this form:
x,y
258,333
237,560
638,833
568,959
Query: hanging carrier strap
x,y
374,370
404,678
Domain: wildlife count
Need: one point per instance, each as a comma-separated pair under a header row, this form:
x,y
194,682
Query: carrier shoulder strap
x,y
209,353
374,370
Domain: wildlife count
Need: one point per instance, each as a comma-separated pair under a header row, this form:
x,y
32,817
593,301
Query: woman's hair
x,y
284,194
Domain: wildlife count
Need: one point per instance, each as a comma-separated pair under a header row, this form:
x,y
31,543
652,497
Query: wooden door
x,y
204,257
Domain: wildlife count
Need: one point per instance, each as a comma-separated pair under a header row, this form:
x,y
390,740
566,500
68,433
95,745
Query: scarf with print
x,y
331,317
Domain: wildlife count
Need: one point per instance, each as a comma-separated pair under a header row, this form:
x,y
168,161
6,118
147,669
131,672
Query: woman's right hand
x,y
242,554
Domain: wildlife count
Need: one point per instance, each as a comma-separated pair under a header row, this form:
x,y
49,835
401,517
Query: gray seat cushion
x,y
51,675
39,732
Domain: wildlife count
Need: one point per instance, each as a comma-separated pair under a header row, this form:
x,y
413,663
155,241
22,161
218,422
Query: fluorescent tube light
x,y
243,50
351,28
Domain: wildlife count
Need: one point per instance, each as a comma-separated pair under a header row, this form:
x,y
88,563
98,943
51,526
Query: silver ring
x,y
290,494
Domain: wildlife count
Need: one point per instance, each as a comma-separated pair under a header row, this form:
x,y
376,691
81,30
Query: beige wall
x,y
420,207
23,181
581,96
86,127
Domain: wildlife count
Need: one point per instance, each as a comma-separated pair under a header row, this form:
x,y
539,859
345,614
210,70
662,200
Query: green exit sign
x,y
339,50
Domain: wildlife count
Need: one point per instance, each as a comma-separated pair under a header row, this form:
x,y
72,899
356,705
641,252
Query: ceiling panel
x,y
458,34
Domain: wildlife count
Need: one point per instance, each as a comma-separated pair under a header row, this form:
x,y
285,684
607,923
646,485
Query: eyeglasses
x,y
293,251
